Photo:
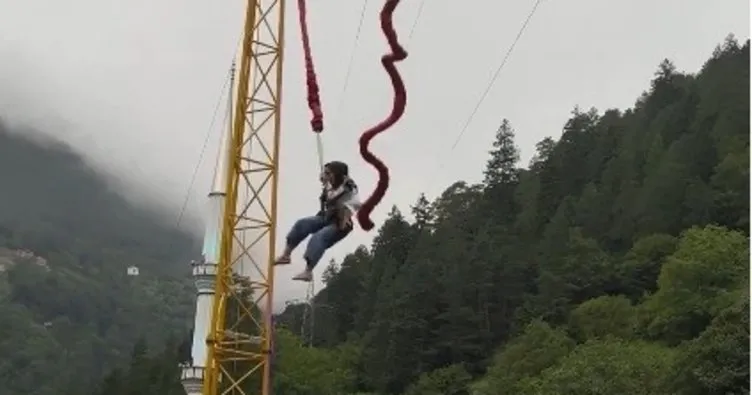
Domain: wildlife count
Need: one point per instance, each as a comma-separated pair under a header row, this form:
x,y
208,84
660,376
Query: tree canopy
x,y
616,262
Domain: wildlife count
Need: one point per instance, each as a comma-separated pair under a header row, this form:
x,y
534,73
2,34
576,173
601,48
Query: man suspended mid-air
x,y
339,202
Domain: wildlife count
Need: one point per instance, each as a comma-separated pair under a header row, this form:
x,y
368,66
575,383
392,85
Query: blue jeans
x,y
325,234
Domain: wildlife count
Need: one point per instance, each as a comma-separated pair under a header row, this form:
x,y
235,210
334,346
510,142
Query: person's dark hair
x,y
339,172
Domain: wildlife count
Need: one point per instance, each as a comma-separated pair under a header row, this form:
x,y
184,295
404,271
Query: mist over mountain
x,y
70,310
119,139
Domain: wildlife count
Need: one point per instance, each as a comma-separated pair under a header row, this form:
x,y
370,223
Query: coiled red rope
x,y
314,103
398,108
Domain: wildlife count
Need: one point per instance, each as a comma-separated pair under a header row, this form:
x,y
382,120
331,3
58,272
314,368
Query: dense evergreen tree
x,y
621,249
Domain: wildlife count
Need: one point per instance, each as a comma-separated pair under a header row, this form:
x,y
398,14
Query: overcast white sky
x,y
134,83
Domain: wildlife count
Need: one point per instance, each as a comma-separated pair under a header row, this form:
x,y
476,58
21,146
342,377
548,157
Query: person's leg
x,y
317,245
302,228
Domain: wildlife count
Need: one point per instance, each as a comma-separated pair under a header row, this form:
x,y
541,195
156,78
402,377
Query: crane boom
x,y
240,335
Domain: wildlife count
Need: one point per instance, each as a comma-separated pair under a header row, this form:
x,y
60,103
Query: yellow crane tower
x,y
239,343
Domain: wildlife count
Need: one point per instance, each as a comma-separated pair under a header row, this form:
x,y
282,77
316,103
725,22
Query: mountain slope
x,y
67,322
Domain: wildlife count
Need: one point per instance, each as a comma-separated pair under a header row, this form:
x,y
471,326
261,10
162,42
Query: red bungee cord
x,y
398,108
314,103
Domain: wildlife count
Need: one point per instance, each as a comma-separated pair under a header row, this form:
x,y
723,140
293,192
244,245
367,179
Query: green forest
x,y
70,314
615,263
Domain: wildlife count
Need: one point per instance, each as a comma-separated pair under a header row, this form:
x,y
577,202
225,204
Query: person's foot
x,y
305,275
282,260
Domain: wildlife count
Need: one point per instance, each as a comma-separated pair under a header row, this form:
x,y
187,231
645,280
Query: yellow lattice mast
x,y
240,336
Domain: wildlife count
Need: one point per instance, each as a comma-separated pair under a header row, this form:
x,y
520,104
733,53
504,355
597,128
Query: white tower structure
x,y
205,270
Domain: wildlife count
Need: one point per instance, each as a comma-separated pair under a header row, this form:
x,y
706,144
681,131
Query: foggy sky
x,y
133,84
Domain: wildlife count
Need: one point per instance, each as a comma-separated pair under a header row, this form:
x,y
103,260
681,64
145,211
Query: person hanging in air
x,y
339,202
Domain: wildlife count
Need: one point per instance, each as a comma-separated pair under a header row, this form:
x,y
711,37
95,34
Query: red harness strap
x,y
398,108
314,103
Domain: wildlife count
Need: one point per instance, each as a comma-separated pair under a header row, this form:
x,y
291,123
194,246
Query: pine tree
x,y
543,150
423,213
501,168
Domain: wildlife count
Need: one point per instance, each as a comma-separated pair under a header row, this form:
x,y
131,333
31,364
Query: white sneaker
x,y
305,275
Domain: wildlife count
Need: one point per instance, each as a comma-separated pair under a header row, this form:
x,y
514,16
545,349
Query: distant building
x,y
132,271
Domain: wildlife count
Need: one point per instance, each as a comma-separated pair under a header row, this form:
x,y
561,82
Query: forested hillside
x,y
68,311
615,263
